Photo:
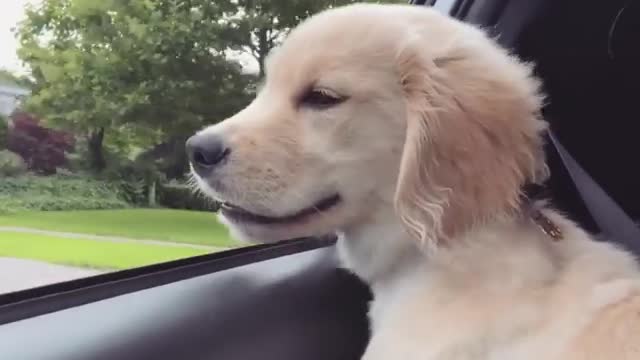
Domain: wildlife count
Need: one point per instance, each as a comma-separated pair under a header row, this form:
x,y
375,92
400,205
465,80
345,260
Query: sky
x,y
11,12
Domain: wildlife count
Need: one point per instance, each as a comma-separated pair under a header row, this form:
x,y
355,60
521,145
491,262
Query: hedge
x,y
60,193
75,192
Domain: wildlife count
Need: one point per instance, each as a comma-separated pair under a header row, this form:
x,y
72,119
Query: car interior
x,y
584,52
291,300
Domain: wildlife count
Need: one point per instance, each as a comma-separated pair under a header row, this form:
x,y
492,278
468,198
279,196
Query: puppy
x,y
411,136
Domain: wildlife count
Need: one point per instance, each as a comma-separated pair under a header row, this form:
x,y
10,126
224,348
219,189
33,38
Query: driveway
x,y
19,274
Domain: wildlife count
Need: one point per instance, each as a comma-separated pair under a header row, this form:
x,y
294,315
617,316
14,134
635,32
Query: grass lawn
x,y
88,253
192,227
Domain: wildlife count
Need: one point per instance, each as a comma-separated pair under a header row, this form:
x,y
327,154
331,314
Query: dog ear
x,y
472,139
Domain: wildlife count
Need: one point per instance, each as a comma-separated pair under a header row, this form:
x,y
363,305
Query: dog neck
x,y
379,249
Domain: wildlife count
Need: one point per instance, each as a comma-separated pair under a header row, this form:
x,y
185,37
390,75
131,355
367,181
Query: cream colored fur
x,y
439,132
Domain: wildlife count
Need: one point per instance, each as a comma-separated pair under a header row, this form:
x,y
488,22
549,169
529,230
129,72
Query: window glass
x,y
445,6
97,99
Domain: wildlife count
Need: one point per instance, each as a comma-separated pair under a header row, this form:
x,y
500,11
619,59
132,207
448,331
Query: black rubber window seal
x,y
47,299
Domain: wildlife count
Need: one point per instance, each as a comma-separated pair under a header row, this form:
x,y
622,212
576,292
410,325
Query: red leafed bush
x,y
43,149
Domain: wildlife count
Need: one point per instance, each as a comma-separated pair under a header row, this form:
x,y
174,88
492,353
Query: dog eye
x,y
320,99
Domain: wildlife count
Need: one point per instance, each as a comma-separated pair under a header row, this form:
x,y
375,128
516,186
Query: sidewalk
x,y
20,274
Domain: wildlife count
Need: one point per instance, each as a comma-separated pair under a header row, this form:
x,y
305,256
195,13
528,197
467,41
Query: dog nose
x,y
206,151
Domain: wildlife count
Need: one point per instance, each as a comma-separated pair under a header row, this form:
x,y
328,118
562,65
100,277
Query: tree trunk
x,y
152,194
96,153
263,50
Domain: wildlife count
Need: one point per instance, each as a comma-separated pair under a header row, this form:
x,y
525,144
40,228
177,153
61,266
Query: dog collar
x,y
546,225
531,193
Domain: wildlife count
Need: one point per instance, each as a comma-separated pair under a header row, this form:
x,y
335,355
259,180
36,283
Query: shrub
x,y
133,192
4,132
43,149
180,196
11,164
49,203
135,178
59,193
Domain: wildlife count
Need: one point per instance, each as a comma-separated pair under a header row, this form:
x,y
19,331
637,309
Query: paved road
x,y
19,274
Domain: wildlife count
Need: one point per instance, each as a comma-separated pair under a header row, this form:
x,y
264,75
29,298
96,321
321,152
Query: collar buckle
x,y
546,225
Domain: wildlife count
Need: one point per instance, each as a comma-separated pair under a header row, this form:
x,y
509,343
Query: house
x,y
10,97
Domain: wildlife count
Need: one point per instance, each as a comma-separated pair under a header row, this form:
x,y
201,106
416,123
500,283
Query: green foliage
x,y
136,178
51,203
256,27
140,70
133,75
134,192
180,196
139,63
79,160
11,164
59,193
4,132
9,78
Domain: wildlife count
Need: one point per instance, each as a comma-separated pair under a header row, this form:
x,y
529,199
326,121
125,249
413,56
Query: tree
x,y
4,132
257,26
10,78
145,70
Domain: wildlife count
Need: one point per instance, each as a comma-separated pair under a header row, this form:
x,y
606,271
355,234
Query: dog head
x,y
376,109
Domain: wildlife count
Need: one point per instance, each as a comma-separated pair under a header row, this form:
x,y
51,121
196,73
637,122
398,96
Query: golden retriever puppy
x,y
411,136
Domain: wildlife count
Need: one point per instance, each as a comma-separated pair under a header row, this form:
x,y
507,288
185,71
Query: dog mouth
x,y
238,214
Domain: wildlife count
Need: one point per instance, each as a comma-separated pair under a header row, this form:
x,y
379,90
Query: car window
x,y
444,6
97,99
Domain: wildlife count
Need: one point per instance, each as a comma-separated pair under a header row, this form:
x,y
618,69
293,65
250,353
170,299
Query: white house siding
x,y
10,98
